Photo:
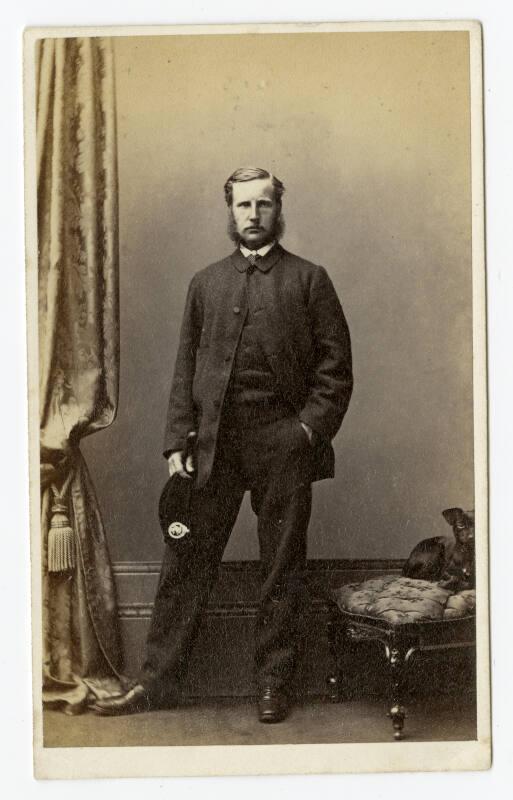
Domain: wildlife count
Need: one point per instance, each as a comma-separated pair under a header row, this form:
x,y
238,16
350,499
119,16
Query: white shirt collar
x,y
261,252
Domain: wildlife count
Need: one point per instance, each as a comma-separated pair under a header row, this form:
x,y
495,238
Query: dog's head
x,y
462,523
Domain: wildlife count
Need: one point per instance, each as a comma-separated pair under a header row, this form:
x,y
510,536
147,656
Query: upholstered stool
x,y
406,616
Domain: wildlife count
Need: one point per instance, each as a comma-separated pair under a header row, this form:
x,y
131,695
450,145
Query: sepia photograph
x,y
258,394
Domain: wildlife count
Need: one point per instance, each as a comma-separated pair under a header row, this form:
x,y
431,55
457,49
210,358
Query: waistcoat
x,y
252,395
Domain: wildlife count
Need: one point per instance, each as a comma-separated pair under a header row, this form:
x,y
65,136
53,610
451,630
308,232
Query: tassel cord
x,y
61,551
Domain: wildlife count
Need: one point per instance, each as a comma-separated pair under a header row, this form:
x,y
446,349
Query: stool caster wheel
x,y
397,714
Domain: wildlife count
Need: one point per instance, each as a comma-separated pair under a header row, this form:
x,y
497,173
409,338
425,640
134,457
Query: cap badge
x,y
177,529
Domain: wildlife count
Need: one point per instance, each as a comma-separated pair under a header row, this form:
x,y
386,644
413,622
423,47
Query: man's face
x,y
255,212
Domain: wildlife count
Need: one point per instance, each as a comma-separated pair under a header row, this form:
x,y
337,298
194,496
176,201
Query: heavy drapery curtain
x,y
78,360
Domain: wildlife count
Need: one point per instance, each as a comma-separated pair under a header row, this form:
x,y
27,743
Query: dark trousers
x,y
273,461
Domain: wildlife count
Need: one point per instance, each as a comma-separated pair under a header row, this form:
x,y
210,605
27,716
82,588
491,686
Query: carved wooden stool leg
x,y
333,686
333,680
341,648
397,659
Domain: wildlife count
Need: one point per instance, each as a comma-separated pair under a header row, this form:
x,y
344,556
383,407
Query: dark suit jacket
x,y
305,338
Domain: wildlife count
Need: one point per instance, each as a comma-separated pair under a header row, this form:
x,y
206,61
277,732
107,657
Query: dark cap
x,y
175,508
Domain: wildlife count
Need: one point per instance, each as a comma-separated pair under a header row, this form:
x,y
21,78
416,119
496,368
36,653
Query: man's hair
x,y
250,174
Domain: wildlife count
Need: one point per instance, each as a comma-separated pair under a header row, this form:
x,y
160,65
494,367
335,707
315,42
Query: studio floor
x,y
234,722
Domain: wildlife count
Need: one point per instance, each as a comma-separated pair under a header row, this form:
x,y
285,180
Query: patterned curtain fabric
x,y
78,360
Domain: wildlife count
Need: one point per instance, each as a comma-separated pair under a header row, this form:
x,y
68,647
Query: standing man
x,y
262,381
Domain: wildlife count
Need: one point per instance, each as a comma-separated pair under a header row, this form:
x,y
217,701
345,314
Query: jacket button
x,y
227,358
216,403
236,310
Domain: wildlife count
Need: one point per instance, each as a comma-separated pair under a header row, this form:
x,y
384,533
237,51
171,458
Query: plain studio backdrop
x,y
370,132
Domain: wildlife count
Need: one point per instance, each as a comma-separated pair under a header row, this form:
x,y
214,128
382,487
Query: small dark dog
x,y
446,560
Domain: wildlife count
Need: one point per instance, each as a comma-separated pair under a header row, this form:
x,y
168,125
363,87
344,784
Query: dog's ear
x,y
469,516
453,515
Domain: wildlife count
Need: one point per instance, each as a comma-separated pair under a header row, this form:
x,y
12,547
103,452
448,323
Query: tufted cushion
x,y
400,600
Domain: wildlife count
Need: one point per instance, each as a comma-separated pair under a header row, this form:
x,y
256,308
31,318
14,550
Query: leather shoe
x,y
273,705
135,701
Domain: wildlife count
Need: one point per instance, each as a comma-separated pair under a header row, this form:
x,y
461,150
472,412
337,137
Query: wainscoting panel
x,y
222,660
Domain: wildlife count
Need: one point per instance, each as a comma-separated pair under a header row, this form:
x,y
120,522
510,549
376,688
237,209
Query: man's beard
x,y
275,233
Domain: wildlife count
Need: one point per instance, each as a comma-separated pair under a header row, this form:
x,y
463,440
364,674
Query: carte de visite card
x,y
257,389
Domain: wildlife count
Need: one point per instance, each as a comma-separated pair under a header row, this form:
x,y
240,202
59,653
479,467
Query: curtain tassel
x,y
61,550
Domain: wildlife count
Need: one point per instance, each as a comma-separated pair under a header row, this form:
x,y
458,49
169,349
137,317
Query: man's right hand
x,y
177,465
